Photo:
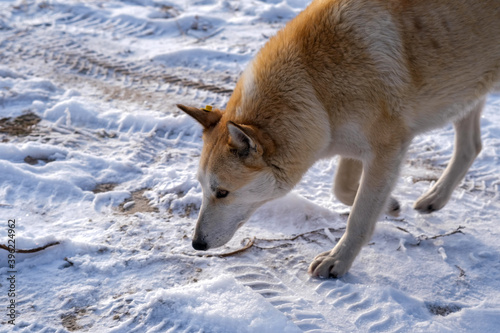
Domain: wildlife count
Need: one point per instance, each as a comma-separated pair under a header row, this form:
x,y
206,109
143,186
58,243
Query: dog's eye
x,y
221,194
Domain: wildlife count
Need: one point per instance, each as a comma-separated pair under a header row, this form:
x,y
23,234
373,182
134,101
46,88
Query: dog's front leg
x,y
378,177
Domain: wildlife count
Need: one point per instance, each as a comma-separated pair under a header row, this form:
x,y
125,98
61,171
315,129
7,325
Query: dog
x,y
355,78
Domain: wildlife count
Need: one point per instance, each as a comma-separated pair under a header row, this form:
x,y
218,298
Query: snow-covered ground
x,y
96,161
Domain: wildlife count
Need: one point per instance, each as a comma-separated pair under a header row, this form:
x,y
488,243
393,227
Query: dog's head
x,y
234,173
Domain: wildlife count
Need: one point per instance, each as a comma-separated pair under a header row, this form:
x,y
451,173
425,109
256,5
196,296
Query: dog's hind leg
x,y
346,184
467,147
346,181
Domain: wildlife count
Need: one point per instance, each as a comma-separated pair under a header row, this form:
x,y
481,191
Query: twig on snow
x,y
252,241
297,236
202,39
403,230
425,237
37,249
462,272
183,33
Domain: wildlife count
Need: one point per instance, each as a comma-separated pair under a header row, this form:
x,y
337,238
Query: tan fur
x,y
357,78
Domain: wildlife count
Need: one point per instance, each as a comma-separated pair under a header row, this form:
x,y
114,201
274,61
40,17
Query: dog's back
x,y
452,52
422,56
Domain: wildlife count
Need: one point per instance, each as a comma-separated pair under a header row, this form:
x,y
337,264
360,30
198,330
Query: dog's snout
x,y
200,245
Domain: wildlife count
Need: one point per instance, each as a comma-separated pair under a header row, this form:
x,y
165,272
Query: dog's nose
x,y
200,245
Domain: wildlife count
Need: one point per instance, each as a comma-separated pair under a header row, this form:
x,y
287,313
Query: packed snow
x,y
98,171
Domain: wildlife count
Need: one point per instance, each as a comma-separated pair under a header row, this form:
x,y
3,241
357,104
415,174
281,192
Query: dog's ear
x,y
244,139
206,118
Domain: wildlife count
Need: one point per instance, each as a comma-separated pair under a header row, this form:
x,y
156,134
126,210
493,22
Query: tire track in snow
x,y
361,304
316,305
303,312
56,41
98,21
52,53
66,53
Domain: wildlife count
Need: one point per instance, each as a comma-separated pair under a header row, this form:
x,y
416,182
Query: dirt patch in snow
x,y
19,126
137,203
105,187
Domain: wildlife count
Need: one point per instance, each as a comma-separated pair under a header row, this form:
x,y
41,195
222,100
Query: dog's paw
x,y
328,264
393,208
431,201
